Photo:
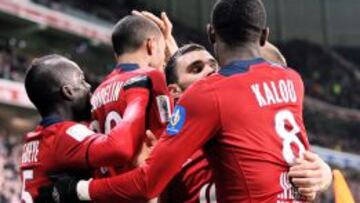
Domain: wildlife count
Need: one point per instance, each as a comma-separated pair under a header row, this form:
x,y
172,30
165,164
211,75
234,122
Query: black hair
x,y
43,81
239,21
170,69
130,32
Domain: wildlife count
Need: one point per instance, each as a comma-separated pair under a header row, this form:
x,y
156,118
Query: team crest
x,y
177,120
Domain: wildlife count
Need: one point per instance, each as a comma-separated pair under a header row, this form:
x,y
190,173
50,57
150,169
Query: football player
x,y
139,47
247,118
60,143
191,63
250,159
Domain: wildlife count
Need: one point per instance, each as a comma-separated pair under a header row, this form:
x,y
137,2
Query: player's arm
x,y
82,147
123,142
195,120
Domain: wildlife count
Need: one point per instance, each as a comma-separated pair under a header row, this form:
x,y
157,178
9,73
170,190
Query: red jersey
x,y
57,146
248,119
192,184
110,104
109,99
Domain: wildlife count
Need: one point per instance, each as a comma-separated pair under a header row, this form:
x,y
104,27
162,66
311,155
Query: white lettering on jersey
x,y
256,90
108,93
79,132
30,152
274,92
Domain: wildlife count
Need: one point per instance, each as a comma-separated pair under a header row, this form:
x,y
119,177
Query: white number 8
x,y
287,136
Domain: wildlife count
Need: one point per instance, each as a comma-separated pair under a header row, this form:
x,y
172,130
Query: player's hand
x,y
63,190
165,26
150,139
146,148
310,175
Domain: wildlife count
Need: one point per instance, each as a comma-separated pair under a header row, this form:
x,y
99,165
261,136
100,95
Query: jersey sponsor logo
x,y
163,104
177,120
79,132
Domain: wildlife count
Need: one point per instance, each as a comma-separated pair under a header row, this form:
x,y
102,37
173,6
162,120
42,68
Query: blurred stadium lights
x,y
44,17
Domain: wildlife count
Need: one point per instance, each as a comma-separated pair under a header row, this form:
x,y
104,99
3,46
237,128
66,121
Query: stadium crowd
x,y
327,75
10,152
12,64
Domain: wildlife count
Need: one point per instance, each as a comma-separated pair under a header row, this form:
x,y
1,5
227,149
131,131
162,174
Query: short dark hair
x,y
43,81
170,69
130,32
239,21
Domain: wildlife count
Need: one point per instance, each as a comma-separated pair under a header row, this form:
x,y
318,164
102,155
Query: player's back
x,y
110,102
260,107
53,147
109,99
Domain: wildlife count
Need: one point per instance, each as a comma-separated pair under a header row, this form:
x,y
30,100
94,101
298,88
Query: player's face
x,y
81,93
194,66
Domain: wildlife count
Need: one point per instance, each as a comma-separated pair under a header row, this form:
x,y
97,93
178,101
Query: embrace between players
x,y
237,132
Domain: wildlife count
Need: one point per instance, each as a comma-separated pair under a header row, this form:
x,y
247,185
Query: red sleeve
x,y
194,121
71,144
82,147
124,139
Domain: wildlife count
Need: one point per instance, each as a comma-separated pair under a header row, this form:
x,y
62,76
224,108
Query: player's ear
x,y
264,36
211,33
175,91
150,46
67,91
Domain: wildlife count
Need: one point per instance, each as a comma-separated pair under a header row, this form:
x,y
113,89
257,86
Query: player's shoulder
x,y
289,71
292,73
204,86
209,82
144,77
156,78
77,131
153,73
110,78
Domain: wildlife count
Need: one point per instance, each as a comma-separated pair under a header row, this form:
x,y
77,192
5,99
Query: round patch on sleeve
x,y
177,120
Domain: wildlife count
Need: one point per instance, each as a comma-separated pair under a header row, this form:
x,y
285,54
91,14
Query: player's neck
x,y
248,52
135,57
62,113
